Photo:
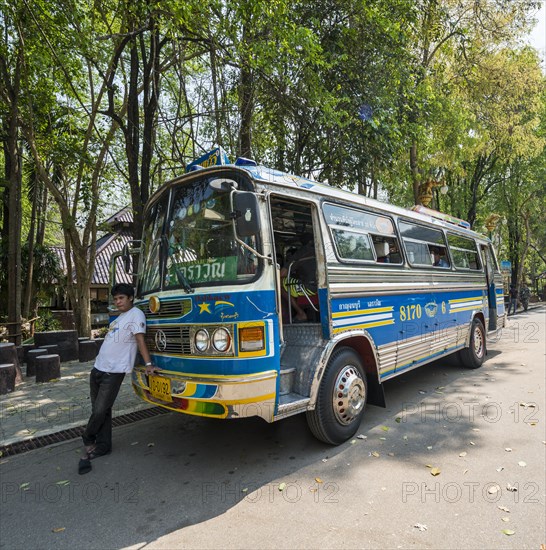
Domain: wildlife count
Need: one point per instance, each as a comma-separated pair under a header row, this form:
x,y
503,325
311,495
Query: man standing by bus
x,y
513,299
116,358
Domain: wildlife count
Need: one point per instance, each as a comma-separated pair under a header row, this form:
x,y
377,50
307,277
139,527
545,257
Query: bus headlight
x,y
154,304
201,340
221,339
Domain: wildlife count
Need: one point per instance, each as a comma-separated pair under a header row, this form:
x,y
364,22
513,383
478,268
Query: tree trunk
x,y
28,288
414,168
150,75
514,238
83,315
526,244
246,104
217,120
79,274
132,139
13,161
4,236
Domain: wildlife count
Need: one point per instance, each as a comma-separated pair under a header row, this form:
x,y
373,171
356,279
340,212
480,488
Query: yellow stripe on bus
x,y
459,300
469,308
365,325
262,375
362,312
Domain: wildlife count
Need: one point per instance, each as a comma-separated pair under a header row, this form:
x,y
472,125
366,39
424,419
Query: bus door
x,y
489,265
296,240
298,249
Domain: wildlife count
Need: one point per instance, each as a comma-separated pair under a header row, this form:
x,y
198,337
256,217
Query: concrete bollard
x,y
7,378
67,340
8,354
26,349
33,354
51,349
88,351
48,367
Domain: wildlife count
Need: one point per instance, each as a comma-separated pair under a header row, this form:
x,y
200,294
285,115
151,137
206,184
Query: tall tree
x,y
444,30
11,66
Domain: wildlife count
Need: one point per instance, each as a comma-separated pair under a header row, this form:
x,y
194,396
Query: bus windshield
x,y
197,242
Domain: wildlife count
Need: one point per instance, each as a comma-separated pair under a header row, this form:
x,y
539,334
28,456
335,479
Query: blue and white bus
x,y
267,294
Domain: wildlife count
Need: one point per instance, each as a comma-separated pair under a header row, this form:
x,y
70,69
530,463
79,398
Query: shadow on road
x,y
174,471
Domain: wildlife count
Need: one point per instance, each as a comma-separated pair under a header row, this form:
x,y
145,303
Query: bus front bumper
x,y
212,396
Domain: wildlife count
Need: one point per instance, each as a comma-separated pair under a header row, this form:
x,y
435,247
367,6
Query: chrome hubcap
x,y
349,395
478,343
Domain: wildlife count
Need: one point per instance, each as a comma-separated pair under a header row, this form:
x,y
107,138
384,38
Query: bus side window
x,y
421,242
387,249
438,256
418,253
382,252
465,252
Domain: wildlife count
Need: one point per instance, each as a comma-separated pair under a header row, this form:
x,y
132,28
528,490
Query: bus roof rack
x,y
242,161
440,216
215,157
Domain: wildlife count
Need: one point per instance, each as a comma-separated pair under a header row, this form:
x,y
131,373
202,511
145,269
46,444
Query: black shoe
x,y
84,466
96,454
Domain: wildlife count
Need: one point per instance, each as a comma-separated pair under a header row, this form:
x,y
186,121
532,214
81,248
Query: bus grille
x,y
168,308
177,340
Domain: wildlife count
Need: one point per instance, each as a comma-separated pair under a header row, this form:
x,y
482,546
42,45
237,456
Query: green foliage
x,y
46,321
47,273
100,332
447,80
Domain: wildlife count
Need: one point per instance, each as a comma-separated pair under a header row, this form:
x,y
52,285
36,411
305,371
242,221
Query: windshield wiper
x,y
182,279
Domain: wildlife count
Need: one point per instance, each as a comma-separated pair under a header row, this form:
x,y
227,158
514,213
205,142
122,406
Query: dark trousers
x,y
513,305
104,390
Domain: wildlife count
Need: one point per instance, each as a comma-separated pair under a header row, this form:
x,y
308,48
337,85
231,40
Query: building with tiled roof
x,y
120,233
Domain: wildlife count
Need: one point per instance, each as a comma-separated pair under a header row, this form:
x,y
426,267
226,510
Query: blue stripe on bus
x,y
392,318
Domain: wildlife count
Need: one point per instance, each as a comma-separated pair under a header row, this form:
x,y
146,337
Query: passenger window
x,y
418,253
465,252
352,245
362,236
387,250
425,246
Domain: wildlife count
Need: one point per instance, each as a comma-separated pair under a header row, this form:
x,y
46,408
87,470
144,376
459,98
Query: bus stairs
x,y
300,354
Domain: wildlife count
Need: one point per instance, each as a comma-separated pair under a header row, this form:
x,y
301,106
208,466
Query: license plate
x,y
160,387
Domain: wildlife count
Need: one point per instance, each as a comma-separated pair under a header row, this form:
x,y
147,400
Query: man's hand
x,y
150,369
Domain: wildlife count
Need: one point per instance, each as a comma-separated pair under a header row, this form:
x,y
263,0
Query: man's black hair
x,y
123,288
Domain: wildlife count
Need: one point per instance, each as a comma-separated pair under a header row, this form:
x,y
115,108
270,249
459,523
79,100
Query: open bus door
x,y
489,265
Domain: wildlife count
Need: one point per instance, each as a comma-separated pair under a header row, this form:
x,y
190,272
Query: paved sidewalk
x,y
34,410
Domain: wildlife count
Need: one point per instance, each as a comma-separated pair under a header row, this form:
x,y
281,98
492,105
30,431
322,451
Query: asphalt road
x,y
175,481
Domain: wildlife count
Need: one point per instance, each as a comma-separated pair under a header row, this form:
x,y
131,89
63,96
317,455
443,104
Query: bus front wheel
x,y
473,356
341,398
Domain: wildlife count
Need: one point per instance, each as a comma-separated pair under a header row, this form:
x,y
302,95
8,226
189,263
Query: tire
x,y
473,356
341,398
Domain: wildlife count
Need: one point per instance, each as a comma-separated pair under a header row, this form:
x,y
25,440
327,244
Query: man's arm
x,y
143,348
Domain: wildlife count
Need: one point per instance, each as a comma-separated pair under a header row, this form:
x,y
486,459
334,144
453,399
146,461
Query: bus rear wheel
x,y
473,356
341,399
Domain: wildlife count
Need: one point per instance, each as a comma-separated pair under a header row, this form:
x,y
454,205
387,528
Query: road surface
x,y
456,460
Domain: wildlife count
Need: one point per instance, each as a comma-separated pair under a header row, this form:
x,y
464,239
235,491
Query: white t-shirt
x,y
118,352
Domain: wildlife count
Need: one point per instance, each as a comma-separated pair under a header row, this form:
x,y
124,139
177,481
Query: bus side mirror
x,y
246,213
129,255
127,263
